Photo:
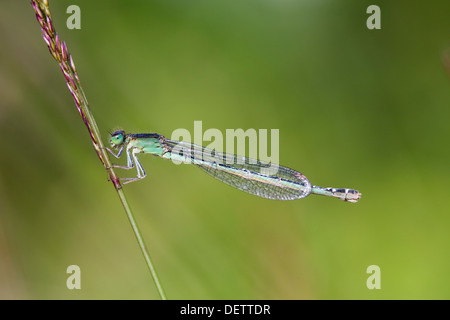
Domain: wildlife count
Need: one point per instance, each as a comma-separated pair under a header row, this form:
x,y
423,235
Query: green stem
x,y
58,50
141,242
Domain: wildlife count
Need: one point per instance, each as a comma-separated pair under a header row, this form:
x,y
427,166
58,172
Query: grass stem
x,y
58,50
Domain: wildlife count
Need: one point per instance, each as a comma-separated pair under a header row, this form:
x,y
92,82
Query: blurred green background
x,y
356,108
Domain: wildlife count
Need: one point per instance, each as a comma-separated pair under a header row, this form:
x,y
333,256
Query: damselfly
x,y
264,180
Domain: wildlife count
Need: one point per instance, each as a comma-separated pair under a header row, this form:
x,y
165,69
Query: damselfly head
x,y
117,138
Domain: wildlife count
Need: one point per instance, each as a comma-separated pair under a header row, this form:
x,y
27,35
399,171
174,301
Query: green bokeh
x,y
356,108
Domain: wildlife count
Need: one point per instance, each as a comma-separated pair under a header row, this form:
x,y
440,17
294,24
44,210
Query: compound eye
x,y
117,138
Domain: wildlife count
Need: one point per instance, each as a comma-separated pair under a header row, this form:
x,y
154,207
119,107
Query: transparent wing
x,y
262,179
